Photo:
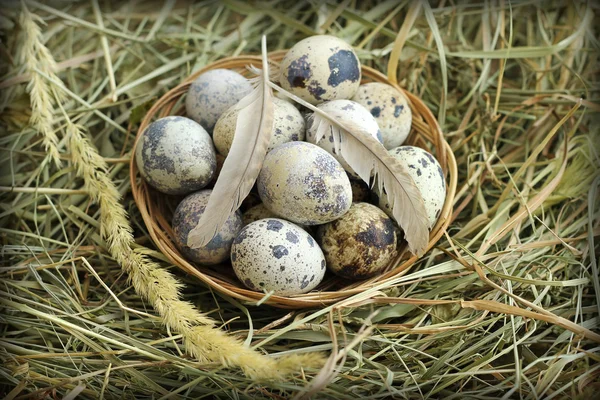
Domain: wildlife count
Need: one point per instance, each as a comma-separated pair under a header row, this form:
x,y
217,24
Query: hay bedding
x,y
505,305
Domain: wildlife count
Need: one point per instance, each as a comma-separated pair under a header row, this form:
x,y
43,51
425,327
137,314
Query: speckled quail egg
x,y
186,217
288,125
320,68
257,212
220,162
212,93
353,113
390,108
276,255
427,175
303,183
175,155
360,244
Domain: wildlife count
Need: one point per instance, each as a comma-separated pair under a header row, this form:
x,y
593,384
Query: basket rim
x,y
424,124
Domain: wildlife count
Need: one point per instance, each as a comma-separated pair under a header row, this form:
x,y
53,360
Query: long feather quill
x,y
368,157
253,131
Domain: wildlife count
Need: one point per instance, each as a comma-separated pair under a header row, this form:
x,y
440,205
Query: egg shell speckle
x,y
304,184
274,254
288,125
391,111
212,93
186,218
321,68
175,155
360,244
427,175
353,113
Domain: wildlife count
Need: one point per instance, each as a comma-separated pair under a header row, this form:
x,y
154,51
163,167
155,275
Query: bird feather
x,y
368,158
254,127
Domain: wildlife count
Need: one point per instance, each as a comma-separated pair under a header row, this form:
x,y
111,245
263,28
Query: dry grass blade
x,y
411,17
444,69
494,306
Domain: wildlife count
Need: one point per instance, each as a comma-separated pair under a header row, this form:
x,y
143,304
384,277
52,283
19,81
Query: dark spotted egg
x,y
321,68
391,111
176,156
427,175
353,114
360,244
303,183
186,217
288,125
212,93
276,255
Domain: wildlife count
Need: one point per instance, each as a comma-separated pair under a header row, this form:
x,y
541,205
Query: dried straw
x,y
505,305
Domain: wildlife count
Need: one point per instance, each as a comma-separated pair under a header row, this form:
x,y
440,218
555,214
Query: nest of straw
x,y
155,210
504,305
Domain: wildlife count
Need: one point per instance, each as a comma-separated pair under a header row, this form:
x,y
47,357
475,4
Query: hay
x,y
505,305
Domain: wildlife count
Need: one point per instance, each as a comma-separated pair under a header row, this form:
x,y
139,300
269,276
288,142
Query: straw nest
x,y
156,209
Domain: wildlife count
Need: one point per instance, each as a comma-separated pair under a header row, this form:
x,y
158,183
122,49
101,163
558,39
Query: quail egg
x,y
186,217
304,184
427,174
320,68
288,125
212,93
175,155
390,108
220,162
360,244
352,113
257,212
276,255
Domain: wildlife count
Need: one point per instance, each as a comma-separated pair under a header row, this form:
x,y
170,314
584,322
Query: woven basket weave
x,y
156,208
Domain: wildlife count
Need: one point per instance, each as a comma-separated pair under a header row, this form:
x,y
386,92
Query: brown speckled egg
x,y
186,218
391,111
351,113
288,125
320,68
212,93
175,155
360,244
427,175
303,183
274,254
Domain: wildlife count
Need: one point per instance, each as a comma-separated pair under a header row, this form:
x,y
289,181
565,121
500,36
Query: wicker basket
x,y
156,209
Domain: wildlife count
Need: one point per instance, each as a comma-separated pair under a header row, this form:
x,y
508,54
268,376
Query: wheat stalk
x,y
160,287
36,58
